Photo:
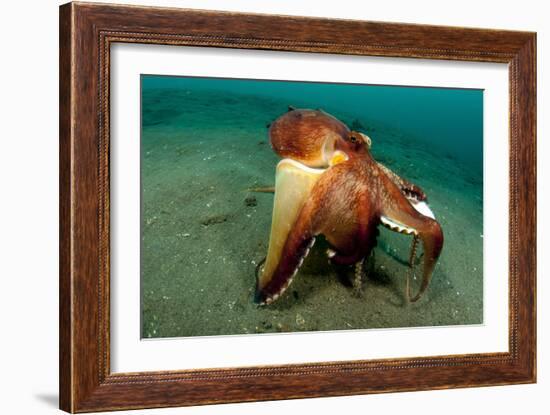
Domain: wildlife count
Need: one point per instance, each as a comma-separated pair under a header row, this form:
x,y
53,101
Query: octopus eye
x,y
352,138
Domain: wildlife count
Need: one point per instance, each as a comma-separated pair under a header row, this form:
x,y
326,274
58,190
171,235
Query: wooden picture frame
x,y
86,33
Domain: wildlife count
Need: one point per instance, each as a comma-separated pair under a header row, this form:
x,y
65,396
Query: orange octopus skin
x,y
346,205
311,136
306,136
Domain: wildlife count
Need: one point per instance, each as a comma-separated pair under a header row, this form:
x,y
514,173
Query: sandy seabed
x,y
203,232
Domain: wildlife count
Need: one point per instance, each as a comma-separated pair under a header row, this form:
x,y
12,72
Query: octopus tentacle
x,y
358,277
295,252
277,276
412,264
402,217
410,190
291,233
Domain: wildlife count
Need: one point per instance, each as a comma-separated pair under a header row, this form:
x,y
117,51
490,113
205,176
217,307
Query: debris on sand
x,y
300,321
251,201
213,220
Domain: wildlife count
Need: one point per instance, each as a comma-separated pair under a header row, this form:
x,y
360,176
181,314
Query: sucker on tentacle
x,y
397,227
275,296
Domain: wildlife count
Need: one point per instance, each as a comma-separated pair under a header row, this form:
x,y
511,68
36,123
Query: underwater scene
x,y
279,206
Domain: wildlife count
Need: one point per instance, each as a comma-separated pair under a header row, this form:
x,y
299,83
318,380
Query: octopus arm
x,y
411,191
400,216
291,234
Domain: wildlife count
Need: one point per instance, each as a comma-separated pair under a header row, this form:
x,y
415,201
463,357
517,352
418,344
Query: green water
x,y
204,143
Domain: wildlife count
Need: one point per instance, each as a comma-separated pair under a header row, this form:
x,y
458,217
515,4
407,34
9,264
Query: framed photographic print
x,y
260,207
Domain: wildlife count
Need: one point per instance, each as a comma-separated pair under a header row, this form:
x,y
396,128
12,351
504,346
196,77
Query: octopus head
x,y
307,136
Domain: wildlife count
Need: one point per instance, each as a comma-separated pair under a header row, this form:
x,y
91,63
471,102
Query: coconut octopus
x,y
328,183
